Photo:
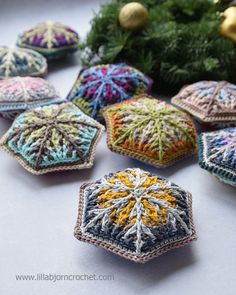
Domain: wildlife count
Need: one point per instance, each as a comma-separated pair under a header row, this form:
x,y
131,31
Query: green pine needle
x,y
180,44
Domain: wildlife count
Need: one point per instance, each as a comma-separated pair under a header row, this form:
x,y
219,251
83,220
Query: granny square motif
x,y
150,130
18,94
52,138
21,62
209,101
135,214
102,85
217,154
52,39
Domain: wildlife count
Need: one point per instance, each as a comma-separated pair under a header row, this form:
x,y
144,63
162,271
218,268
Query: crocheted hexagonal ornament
x,y
209,101
102,85
21,62
52,39
135,214
150,130
18,94
52,138
217,154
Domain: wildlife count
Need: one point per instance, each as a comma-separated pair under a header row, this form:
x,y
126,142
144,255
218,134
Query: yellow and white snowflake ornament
x,y
135,214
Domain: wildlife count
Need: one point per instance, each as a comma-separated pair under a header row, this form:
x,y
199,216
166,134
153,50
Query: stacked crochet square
x,y
135,214
150,130
21,62
52,138
52,39
209,101
22,93
102,85
217,154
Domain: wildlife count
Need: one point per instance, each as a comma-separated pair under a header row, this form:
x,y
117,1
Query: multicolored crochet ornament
x,y
18,94
51,39
99,86
21,62
209,101
150,130
135,214
217,154
53,138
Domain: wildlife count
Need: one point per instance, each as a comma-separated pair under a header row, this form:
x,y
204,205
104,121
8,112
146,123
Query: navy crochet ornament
x,y
135,214
217,154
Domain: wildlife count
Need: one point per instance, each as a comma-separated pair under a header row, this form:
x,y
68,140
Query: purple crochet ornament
x,y
102,85
52,39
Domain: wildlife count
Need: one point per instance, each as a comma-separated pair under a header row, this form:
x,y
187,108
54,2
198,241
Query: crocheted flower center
x,y
139,199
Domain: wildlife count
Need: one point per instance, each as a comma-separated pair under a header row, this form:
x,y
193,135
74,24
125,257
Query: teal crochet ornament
x,y
53,138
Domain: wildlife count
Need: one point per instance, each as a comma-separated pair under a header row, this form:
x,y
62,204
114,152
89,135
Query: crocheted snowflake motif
x,y
104,85
52,138
52,39
217,154
21,62
21,93
150,130
209,101
135,214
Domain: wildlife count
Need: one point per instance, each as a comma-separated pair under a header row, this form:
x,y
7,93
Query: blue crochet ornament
x,y
102,85
217,154
21,62
53,138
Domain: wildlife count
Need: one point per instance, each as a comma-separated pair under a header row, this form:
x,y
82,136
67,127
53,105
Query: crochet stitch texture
x,y
217,154
53,138
18,94
21,62
209,101
51,39
135,214
150,130
102,85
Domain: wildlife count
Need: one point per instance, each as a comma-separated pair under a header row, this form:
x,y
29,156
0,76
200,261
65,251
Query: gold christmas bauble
x,y
133,16
228,26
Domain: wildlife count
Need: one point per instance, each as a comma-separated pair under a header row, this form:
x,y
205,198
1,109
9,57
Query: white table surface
x,y
38,213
